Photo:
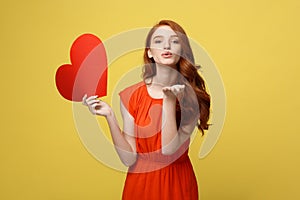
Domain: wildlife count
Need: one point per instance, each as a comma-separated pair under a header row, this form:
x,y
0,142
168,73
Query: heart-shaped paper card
x,y
87,73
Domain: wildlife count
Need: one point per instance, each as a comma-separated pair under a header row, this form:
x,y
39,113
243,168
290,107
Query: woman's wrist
x,y
110,113
169,98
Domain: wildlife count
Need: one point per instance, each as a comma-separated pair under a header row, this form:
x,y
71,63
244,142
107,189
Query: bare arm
x,y
172,138
124,142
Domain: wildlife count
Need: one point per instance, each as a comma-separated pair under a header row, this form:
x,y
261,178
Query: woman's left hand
x,y
174,91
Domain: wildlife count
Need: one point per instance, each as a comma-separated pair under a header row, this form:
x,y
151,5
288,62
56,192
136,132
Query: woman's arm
x,y
172,138
124,141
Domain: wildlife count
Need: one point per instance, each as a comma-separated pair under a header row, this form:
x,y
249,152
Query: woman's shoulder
x,y
133,89
132,92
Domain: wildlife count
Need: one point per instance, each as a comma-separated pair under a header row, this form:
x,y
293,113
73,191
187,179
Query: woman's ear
x,y
149,53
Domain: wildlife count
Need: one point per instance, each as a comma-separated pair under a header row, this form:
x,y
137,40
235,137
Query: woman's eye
x,y
157,41
175,41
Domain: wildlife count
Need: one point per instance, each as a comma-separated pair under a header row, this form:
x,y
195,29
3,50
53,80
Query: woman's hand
x,y
96,106
174,91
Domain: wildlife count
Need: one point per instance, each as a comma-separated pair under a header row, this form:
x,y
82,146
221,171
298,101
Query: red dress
x,y
155,176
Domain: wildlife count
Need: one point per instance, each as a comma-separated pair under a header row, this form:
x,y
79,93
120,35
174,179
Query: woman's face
x,y
165,47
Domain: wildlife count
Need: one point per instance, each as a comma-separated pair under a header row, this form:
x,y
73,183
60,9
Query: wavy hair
x,y
189,71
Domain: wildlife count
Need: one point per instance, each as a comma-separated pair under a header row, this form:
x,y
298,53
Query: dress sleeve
x,y
129,98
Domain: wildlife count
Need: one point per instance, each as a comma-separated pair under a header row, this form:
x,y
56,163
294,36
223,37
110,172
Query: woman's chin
x,y
168,64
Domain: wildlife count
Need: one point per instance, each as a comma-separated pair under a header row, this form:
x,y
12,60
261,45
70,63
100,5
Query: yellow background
x,y
255,45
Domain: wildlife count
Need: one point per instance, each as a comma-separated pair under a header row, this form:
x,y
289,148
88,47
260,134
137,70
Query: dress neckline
x,y
148,94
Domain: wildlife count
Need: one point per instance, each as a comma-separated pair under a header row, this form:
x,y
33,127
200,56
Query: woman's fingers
x,y
96,106
93,101
92,97
93,108
175,89
165,89
89,100
84,100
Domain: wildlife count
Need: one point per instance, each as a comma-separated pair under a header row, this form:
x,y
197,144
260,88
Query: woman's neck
x,y
165,75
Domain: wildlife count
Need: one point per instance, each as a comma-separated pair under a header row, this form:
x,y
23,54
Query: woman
x,y
159,114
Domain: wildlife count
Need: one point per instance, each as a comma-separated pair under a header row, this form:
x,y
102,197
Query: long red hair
x,y
189,71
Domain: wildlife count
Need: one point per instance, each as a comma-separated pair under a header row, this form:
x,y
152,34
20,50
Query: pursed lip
x,y
166,54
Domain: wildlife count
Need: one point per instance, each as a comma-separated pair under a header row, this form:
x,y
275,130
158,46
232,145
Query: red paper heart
x,y
87,73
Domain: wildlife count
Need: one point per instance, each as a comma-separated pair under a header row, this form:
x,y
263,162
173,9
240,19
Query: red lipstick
x,y
166,54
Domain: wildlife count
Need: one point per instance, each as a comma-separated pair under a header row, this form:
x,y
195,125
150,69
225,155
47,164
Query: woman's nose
x,y
167,45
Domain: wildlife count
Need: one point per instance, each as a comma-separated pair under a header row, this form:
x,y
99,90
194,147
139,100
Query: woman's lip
x,y
166,54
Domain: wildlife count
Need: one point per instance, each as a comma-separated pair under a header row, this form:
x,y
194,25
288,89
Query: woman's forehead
x,y
164,31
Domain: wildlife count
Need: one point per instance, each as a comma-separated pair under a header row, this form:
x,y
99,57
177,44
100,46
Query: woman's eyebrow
x,y
161,36
158,36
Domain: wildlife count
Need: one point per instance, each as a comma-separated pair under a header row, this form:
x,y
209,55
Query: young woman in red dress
x,y
159,114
